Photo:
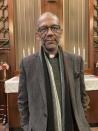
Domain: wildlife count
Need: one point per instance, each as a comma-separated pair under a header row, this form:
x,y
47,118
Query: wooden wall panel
x,y
4,57
96,60
76,28
13,113
92,112
55,7
11,35
90,36
25,18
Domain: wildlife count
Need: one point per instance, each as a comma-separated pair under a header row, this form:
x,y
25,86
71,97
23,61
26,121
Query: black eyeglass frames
x,y
44,29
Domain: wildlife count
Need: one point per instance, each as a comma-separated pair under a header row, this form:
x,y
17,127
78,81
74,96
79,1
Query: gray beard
x,y
51,50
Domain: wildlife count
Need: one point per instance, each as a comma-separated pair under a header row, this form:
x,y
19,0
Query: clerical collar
x,y
51,56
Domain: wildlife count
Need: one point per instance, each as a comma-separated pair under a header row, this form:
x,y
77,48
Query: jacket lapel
x,y
41,79
69,72
70,75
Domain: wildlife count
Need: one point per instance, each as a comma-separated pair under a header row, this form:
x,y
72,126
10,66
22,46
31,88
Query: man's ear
x,y
61,31
37,36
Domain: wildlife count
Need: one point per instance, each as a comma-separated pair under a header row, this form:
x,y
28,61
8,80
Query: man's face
x,y
49,32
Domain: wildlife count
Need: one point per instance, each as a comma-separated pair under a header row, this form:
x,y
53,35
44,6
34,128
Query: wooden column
x,y
11,35
90,36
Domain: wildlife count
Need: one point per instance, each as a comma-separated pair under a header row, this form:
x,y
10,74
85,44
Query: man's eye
x,y
55,28
42,29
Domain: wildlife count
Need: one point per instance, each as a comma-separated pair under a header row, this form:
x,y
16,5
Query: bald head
x,y
48,16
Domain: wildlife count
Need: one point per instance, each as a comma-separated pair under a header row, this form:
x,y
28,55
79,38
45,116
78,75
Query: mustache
x,y
50,39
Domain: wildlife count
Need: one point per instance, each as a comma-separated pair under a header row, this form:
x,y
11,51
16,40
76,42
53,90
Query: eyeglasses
x,y
54,28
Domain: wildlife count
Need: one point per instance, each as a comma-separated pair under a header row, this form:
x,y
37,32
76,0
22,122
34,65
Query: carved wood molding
x,y
4,26
52,0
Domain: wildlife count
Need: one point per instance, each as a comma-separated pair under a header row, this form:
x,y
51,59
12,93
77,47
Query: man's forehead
x,y
45,19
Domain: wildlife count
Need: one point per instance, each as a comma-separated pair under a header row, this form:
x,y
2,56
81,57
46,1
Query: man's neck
x,y
51,53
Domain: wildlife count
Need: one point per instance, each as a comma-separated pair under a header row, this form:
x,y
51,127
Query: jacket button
x,y
45,115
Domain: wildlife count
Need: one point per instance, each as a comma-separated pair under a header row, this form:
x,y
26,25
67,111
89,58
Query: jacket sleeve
x,y
23,99
84,97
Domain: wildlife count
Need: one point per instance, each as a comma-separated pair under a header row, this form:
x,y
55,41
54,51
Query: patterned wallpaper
x,y
4,27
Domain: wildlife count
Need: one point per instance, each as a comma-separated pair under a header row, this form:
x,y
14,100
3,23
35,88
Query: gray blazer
x,y
32,96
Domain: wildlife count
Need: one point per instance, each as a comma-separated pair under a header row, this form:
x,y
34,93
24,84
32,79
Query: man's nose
x,y
50,32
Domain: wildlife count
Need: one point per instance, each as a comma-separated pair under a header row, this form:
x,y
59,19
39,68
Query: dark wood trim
x,y
11,36
13,113
90,37
92,111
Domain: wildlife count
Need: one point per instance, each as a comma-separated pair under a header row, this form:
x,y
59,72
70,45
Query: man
x,y
52,93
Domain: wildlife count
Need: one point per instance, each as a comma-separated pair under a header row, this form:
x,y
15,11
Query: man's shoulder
x,y
71,55
31,57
